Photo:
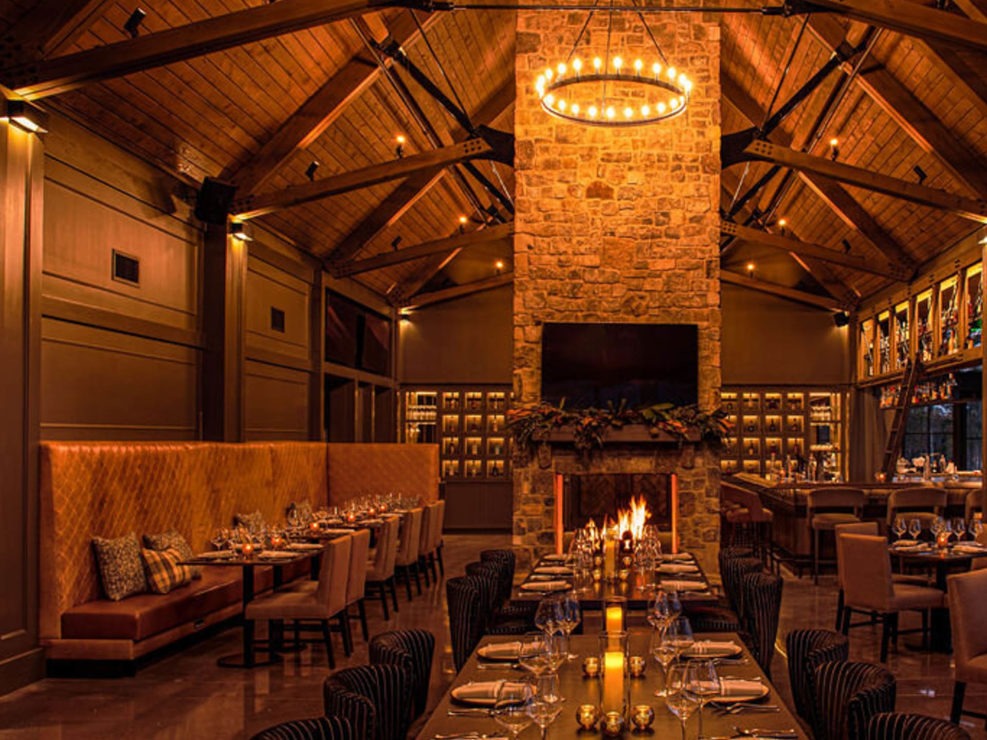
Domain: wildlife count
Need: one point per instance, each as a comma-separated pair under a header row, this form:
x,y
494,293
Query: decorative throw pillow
x,y
173,539
120,567
253,522
164,570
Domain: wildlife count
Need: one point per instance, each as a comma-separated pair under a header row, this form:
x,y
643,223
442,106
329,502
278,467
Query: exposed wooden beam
x,y
841,202
808,249
458,291
780,290
397,203
259,205
320,111
969,208
411,285
976,9
914,118
50,27
438,246
912,19
60,74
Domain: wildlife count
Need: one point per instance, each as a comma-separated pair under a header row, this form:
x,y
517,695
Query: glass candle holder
x,y
642,717
615,614
587,716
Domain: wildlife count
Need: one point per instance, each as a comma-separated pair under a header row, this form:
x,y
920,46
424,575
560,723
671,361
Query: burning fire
x,y
628,520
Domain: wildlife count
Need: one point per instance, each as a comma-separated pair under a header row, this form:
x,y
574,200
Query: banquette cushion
x,y
173,539
165,571
121,569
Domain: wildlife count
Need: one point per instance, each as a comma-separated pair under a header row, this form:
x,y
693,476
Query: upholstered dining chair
x,y
848,694
842,612
427,543
732,572
406,562
304,604
807,650
516,617
318,728
923,503
380,570
465,598
356,584
742,510
967,607
411,650
825,509
972,504
896,726
493,571
508,561
762,605
870,587
439,542
376,699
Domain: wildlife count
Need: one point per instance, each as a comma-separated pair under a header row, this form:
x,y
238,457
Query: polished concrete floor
x,y
185,695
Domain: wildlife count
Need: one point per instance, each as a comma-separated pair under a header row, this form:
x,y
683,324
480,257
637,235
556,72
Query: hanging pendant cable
x,y
442,69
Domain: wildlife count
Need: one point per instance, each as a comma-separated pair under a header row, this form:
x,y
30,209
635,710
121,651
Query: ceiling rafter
x,y
399,201
44,78
320,111
458,291
48,28
839,201
915,119
783,291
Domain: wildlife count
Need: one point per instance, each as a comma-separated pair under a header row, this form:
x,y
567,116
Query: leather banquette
x,y
111,489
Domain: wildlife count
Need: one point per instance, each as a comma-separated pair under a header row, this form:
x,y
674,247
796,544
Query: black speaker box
x,y
214,201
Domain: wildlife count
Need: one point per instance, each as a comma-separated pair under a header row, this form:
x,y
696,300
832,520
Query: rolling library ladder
x,y
904,402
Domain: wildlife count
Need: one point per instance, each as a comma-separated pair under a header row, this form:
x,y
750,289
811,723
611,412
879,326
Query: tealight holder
x,y
591,667
636,666
247,548
642,717
942,540
314,526
587,716
351,517
612,724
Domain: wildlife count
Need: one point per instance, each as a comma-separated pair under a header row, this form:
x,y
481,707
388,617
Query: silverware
x,y
762,732
469,736
739,707
475,712
497,666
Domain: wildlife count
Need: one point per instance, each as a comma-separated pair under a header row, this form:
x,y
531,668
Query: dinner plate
x,y
713,649
760,693
553,570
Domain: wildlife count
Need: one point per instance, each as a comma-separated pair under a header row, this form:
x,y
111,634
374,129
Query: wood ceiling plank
x,y
794,294
50,27
54,76
976,9
458,291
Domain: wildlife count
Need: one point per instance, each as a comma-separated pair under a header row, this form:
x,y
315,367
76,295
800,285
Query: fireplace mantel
x,y
636,434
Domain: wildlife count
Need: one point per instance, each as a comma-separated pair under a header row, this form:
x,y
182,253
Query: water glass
x,y
679,700
547,702
704,685
915,528
512,707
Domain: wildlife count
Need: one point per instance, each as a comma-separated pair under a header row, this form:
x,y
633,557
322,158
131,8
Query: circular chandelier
x,y
608,91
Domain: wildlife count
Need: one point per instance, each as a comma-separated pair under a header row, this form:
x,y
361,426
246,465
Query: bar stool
x,y
922,503
743,510
828,507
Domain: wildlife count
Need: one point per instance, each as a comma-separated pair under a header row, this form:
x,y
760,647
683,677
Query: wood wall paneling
x,y
275,402
270,288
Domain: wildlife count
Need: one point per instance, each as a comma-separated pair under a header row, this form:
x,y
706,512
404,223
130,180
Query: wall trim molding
x,y
21,670
77,313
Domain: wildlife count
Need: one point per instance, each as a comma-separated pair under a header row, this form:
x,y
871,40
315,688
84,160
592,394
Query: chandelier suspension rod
x,y
765,10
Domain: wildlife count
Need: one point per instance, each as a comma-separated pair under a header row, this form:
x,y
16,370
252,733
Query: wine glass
x,y
681,635
975,528
663,651
958,527
571,614
679,700
547,701
547,616
914,528
660,612
703,684
533,653
512,707
900,527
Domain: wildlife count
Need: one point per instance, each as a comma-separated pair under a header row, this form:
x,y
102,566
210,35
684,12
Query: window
x,y
929,429
973,432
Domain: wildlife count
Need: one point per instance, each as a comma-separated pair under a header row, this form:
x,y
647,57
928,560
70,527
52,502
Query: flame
x,y
633,520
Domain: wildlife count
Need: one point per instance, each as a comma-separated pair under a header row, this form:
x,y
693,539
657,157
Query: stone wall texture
x,y
618,225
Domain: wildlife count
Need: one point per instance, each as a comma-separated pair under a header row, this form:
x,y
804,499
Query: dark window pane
x,y
974,460
918,420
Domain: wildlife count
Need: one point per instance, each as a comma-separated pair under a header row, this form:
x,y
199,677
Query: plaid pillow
x,y
120,569
173,539
164,573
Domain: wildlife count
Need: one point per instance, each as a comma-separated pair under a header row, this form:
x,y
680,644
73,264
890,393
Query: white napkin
x,y
667,556
969,547
707,647
740,687
675,585
276,554
906,543
505,650
545,586
912,548
304,546
554,570
216,555
554,558
678,568
483,693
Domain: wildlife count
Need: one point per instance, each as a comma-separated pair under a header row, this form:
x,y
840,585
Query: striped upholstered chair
x,y
376,699
732,572
761,604
508,562
319,728
411,650
492,572
466,618
808,649
847,696
895,726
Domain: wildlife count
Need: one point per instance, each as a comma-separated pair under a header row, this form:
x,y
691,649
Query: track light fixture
x,y
310,172
841,319
846,247
750,269
241,231
462,224
133,24
399,142
920,174
395,241
834,149
25,116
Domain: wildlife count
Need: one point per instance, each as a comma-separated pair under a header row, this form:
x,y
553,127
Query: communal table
x,y
943,560
578,690
637,592
247,565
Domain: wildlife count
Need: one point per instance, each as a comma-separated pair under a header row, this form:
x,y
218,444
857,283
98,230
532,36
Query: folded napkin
x,y
554,570
906,543
713,647
216,555
542,577
482,693
970,547
340,532
505,650
741,687
678,568
300,546
545,586
276,554
679,585
554,558
667,556
912,548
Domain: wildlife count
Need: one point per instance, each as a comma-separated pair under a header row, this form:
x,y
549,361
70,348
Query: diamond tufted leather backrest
x,y
364,469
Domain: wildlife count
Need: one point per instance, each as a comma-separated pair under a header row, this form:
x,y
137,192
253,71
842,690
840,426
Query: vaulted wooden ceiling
x,y
260,113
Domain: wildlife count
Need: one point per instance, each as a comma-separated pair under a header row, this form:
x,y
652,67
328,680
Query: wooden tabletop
x,y
240,560
578,690
593,594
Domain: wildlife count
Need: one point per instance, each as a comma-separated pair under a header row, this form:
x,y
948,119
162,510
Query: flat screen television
x,y
646,364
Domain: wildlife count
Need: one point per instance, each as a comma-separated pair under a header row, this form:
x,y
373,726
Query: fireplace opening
x,y
598,495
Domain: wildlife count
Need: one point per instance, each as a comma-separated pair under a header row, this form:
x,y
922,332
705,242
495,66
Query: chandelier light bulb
x,y
575,109
645,111
597,62
688,86
618,63
562,105
549,99
561,68
671,73
399,139
661,109
656,69
548,74
577,64
592,111
628,112
611,112
638,65
683,79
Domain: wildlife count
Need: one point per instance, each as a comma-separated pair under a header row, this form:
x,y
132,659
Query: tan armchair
x,y
356,584
430,536
967,606
406,561
380,571
438,536
922,503
304,604
870,587
826,509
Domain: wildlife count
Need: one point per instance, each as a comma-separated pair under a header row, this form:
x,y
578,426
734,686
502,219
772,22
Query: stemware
x,y
975,528
958,527
704,685
914,528
679,700
571,614
533,655
547,616
547,701
660,612
681,636
663,651
900,527
512,707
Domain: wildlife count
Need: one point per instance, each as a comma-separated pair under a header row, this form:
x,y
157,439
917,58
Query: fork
x,y
762,732
497,666
741,707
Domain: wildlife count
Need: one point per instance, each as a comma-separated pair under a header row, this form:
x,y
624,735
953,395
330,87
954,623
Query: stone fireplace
x,y
618,225
597,495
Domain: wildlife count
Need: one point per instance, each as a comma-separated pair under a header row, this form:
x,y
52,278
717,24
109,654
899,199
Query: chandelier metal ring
x,y
590,114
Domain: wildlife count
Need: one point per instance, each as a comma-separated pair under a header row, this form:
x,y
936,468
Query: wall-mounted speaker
x,y
214,201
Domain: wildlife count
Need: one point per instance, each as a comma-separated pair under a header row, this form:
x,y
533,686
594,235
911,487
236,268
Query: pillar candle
x,y
675,513
615,620
609,559
613,682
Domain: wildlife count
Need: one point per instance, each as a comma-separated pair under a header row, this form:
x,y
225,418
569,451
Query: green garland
x,y
531,424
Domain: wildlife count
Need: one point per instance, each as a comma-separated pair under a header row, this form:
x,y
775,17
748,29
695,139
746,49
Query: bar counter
x,y
787,501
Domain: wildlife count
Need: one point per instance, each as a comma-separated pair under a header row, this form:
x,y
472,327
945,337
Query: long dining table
x,y
768,714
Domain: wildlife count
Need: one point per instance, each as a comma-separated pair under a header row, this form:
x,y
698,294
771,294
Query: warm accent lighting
x,y
399,142
25,116
750,268
613,86
782,223
241,231
499,264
